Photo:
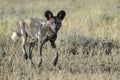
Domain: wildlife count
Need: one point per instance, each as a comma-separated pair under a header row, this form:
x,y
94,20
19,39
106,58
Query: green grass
x,y
88,42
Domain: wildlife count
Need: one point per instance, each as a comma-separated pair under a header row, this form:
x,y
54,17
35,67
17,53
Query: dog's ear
x,y
61,14
48,14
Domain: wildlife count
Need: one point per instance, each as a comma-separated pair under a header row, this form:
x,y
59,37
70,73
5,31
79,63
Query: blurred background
x,y
88,41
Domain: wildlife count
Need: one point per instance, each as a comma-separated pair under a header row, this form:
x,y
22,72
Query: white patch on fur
x,y
14,36
22,31
43,23
38,35
53,27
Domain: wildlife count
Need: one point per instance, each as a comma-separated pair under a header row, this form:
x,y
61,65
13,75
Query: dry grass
x,y
88,43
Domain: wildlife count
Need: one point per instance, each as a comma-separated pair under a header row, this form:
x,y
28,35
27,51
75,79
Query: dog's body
x,y
41,31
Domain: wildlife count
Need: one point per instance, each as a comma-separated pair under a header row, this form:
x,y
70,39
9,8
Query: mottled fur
x,y
41,31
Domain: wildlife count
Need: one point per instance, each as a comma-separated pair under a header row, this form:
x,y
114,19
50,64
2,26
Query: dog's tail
x,y
15,36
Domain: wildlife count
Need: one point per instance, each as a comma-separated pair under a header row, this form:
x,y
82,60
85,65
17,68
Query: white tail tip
x,y
14,36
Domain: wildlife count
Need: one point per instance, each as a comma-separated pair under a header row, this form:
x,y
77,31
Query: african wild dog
x,y
41,31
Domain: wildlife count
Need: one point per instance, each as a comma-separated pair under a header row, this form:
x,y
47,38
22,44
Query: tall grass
x,y
88,42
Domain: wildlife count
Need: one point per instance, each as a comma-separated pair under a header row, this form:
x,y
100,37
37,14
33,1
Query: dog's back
x,y
32,27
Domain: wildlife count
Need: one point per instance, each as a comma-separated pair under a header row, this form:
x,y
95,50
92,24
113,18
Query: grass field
x,y
88,42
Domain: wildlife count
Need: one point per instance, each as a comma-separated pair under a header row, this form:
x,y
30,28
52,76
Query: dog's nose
x,y
56,29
